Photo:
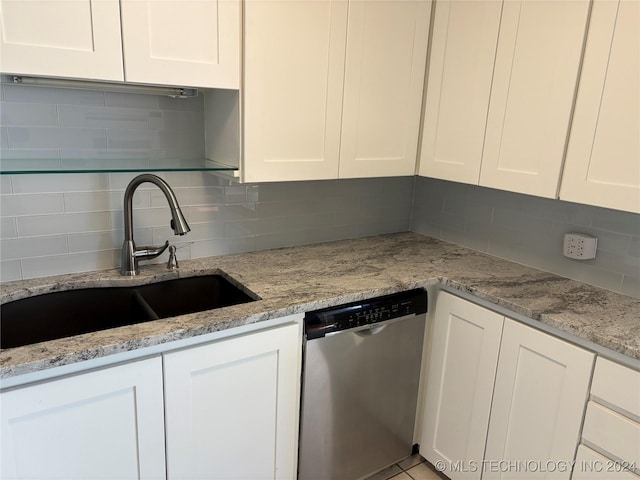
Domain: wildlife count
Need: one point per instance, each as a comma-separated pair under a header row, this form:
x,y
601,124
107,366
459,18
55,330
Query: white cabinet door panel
x,y
541,388
534,81
385,61
232,407
463,47
294,55
186,42
106,424
603,157
617,385
613,433
462,367
591,465
79,38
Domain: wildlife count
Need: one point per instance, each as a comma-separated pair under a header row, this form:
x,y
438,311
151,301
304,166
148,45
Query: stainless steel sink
x,y
73,312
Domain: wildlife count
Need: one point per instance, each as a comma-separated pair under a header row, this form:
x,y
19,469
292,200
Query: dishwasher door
x,y
360,390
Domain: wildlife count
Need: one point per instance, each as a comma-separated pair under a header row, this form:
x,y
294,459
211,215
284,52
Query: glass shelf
x,y
32,166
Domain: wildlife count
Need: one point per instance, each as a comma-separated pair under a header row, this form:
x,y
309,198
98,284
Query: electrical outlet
x,y
579,246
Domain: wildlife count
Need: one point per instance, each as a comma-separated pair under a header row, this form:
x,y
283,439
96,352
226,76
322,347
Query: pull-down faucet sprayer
x,y
131,254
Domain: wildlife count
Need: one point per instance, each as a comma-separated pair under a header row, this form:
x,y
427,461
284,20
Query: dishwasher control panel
x,y
365,312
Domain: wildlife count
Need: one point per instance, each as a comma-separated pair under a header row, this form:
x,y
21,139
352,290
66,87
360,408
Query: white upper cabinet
x,y
186,42
293,74
384,78
500,92
332,88
534,81
190,42
79,38
463,48
603,157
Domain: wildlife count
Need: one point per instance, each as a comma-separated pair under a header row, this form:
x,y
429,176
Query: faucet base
x,y
129,264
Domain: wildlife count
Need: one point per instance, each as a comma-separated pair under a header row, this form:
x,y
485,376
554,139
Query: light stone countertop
x,y
303,278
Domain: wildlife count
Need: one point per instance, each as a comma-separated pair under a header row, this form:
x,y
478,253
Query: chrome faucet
x,y
130,253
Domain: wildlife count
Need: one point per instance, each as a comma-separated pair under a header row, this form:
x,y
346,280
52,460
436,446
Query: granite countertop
x,y
298,279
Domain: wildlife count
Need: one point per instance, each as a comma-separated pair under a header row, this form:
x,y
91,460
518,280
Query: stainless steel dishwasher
x,y
360,385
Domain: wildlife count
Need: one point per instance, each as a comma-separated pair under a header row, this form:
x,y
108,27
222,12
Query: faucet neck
x,y
128,200
131,254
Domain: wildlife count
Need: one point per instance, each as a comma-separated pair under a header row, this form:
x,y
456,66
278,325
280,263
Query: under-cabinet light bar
x,y
179,92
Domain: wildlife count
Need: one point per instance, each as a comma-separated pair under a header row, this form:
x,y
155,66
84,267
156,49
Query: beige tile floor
x,y
412,468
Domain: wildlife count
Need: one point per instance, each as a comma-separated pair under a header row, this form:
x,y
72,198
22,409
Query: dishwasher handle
x,y
367,332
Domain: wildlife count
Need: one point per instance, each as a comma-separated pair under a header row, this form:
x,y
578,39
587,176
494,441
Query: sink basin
x,y
64,314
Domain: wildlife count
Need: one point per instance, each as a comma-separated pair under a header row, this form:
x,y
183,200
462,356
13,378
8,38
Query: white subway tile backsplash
x,y
100,117
31,247
131,100
91,242
10,271
223,246
5,183
46,95
53,137
35,114
243,228
529,230
30,154
72,263
146,217
102,201
634,247
616,221
4,137
378,227
630,285
190,196
608,241
33,204
72,182
63,223
8,228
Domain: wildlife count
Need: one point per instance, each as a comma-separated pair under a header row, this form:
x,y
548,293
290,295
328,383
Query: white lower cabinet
x,y
106,424
503,400
611,433
541,388
226,409
232,407
590,465
462,369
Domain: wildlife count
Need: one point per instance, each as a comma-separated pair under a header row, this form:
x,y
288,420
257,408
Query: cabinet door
x,y
602,166
293,77
182,42
542,384
232,407
384,78
462,368
590,465
79,38
463,48
105,424
532,94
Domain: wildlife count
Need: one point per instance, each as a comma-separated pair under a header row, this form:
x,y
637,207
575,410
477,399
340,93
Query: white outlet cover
x,y
579,246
